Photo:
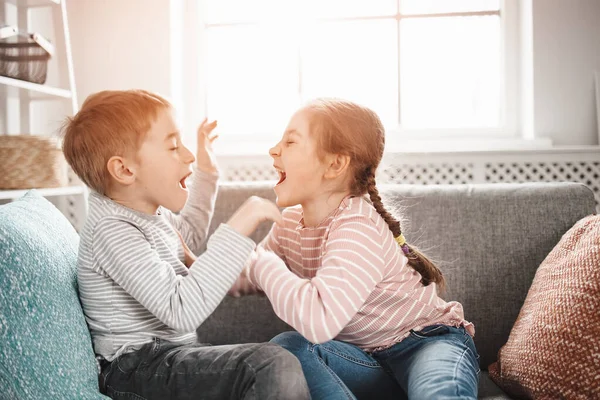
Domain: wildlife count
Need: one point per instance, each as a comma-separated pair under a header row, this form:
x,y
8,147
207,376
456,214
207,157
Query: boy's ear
x,y
121,170
337,164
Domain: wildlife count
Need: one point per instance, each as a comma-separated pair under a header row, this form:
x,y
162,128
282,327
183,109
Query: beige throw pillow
x,y
553,351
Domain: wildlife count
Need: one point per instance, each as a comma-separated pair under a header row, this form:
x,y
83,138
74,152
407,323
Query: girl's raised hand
x,y
205,158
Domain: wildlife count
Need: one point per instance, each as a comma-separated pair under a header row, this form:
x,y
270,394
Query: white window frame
x,y
195,101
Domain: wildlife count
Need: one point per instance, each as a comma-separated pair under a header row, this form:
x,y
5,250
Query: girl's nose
x,y
275,151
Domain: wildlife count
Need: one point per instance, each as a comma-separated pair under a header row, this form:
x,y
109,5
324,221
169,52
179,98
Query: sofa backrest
x,y
488,240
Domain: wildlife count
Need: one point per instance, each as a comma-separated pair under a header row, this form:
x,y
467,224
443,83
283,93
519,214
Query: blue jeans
x,y
166,370
438,362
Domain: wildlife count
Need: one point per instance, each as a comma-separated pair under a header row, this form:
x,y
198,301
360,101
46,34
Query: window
x,y
420,64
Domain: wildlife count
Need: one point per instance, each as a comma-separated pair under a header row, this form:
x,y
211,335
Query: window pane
x,y
230,11
450,72
345,8
355,60
252,78
444,6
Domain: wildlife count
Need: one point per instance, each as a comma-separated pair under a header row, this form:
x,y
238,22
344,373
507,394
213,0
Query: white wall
x,y
116,44
566,45
120,44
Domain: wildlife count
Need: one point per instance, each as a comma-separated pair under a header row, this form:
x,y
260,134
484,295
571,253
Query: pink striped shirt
x,y
347,279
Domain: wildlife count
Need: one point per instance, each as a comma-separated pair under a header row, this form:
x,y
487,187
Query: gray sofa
x,y
488,240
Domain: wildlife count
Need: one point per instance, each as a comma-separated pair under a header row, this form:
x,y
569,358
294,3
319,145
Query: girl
x,y
364,302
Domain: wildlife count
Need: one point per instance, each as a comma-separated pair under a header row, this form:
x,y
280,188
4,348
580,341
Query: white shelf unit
x,y
46,91
33,3
71,200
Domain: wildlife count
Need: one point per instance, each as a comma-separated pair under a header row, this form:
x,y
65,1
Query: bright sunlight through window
x,y
420,64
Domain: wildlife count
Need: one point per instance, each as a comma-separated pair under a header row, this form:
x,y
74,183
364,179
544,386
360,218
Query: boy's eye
x,y
289,142
174,148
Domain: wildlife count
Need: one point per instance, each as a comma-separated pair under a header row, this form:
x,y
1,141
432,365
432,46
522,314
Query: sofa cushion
x,y
553,348
488,239
488,389
45,346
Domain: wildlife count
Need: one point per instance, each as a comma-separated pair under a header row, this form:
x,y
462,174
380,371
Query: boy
x,y
143,290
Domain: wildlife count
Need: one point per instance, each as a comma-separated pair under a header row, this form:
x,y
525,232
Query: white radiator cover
x,y
553,165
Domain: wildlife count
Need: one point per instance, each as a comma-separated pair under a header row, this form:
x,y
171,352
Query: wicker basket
x,y
25,56
31,162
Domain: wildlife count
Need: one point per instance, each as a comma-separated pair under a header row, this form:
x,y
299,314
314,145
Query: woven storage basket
x,y
24,55
31,162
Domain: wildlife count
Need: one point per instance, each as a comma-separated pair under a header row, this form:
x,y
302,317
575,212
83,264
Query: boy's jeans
x,y
439,362
165,370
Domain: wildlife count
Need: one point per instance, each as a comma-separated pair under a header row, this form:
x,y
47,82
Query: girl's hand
x,y
243,286
189,257
205,158
264,258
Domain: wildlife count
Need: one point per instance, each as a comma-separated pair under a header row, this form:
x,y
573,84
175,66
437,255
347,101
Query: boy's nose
x,y
189,157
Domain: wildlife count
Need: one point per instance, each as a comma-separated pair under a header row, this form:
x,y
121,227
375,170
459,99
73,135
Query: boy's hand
x,y
205,158
250,214
189,257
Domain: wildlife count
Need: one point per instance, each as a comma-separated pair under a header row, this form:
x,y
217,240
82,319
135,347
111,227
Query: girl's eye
x,y
289,142
174,148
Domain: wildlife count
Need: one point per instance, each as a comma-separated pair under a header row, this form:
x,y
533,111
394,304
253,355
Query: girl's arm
x,y
319,308
243,286
271,242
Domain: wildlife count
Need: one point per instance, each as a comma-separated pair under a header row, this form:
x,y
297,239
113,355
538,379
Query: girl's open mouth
x,y
282,176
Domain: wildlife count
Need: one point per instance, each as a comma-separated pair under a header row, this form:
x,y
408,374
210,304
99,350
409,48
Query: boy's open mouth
x,y
182,183
282,176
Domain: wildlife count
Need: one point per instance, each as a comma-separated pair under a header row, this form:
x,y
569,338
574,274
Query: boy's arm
x,y
319,308
194,219
180,302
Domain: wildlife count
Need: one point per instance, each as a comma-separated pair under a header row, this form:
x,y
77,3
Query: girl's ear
x,y
337,164
121,170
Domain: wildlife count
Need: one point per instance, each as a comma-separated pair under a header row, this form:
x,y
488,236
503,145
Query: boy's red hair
x,y
110,123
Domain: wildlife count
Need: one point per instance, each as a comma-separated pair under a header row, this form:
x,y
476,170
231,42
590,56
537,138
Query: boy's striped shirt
x,y
132,281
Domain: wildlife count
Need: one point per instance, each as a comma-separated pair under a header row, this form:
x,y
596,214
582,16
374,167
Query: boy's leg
x,y
439,362
338,370
163,370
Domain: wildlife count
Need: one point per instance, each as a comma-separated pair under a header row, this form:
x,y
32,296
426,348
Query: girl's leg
x,y
338,370
439,362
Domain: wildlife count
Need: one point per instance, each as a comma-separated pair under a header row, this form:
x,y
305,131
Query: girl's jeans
x,y
166,370
438,362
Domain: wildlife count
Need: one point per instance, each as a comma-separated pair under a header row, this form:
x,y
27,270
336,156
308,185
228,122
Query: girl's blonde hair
x,y
346,128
